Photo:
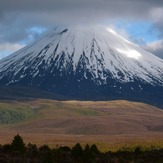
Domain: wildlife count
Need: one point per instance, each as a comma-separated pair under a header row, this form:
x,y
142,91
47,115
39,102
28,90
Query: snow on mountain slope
x,y
71,58
102,48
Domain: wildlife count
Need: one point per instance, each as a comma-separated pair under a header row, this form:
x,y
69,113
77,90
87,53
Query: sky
x,y
22,21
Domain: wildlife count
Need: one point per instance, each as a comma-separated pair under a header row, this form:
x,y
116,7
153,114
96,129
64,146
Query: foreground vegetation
x,y
17,152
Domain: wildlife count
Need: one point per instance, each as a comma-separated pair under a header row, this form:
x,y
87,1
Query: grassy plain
x,y
109,124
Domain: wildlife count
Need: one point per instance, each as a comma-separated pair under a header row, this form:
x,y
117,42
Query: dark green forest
x,y
19,152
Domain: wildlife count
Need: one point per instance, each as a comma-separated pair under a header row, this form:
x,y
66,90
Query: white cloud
x,y
157,14
8,48
155,47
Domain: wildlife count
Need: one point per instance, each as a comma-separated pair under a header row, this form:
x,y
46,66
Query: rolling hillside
x,y
66,122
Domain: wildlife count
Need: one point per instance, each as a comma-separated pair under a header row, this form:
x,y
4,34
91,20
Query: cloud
x,y
155,48
18,17
74,10
8,48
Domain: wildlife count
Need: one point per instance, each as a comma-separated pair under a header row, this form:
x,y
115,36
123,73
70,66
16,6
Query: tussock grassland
x,y
109,124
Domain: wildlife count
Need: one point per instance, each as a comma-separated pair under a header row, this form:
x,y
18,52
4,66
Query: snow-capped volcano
x,y
80,61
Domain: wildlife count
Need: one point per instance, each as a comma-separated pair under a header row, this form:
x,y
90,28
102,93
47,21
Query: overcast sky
x,y
22,21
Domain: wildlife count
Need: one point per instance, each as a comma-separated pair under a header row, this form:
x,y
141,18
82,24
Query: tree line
x,y
19,152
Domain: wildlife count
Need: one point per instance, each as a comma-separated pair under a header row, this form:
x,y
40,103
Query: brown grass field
x,y
109,124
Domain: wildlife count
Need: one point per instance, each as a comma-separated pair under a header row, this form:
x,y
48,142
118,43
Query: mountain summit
x,y
86,63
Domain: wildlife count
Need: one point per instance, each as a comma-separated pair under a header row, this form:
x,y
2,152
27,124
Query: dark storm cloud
x,y
67,9
17,17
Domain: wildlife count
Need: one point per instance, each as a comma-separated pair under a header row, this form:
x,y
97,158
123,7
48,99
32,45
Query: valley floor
x,y
110,125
